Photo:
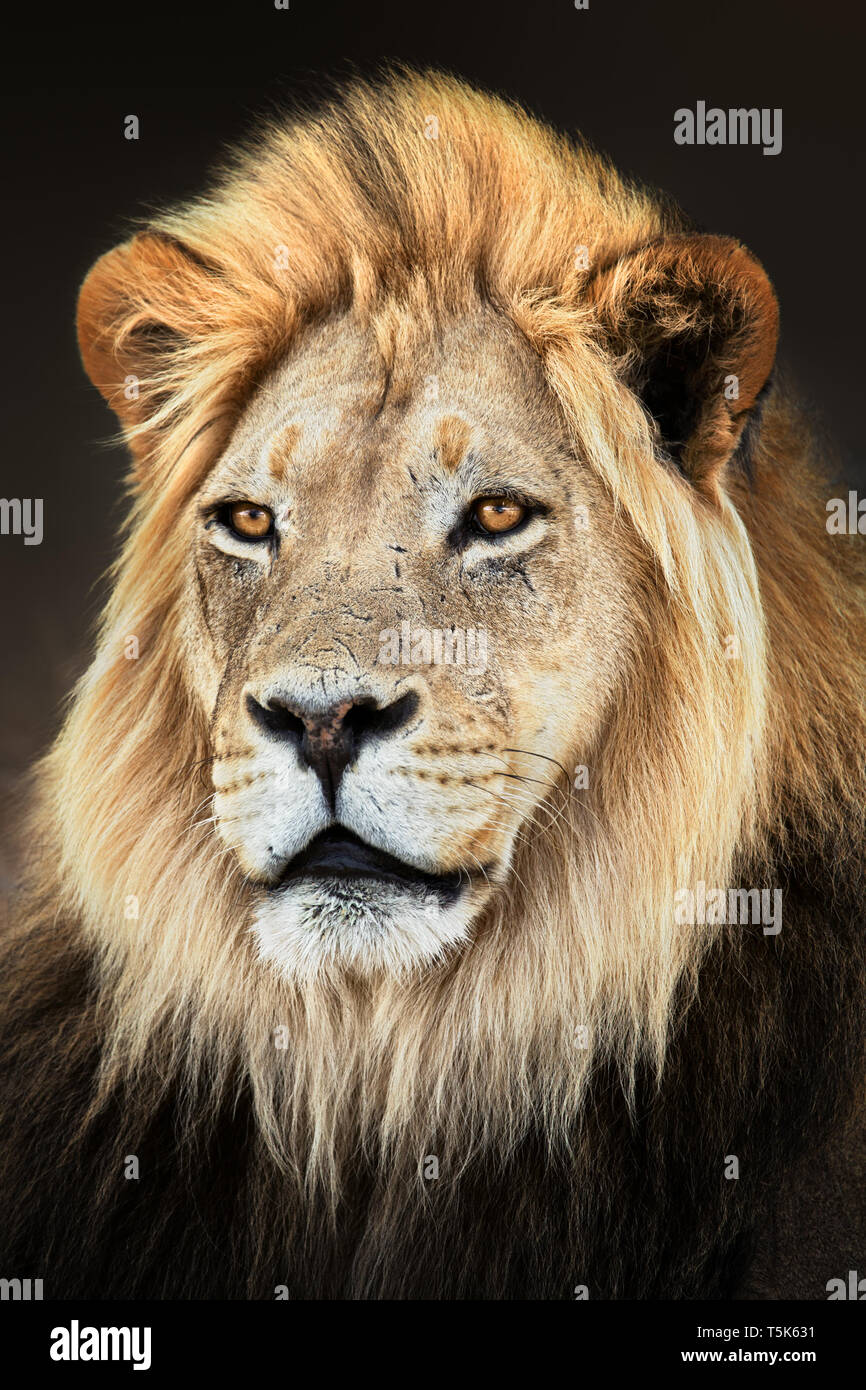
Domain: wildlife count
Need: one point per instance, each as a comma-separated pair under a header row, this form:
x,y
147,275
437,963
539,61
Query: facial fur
x,y
370,477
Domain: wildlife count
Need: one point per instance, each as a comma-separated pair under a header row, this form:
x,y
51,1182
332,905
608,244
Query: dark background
x,y
197,75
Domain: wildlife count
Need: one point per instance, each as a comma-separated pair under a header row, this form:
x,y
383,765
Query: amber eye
x,y
498,514
247,520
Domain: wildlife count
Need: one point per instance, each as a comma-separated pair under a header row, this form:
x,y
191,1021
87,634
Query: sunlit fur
x,y
705,758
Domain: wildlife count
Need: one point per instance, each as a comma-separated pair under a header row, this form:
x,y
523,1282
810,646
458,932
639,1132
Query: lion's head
x,y
437,659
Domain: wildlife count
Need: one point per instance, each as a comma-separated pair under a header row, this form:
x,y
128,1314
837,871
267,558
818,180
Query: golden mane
x,y
706,764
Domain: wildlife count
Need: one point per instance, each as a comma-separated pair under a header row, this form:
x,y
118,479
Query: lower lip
x,y
344,871
447,889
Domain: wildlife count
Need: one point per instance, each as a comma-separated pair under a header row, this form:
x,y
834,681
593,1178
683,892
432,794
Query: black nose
x,y
329,740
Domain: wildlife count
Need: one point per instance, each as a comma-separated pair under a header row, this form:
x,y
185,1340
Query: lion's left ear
x,y
695,322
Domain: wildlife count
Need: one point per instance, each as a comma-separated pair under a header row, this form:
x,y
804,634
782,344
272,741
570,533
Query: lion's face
x,y
405,616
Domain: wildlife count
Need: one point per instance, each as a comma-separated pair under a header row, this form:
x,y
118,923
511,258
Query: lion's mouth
x,y
339,853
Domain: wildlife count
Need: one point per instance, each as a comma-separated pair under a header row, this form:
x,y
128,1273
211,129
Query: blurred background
x,y
199,78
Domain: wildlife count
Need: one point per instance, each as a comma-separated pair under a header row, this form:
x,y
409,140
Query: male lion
x,y
447,882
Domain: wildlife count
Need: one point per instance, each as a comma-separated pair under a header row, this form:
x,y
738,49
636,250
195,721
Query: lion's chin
x,y
369,926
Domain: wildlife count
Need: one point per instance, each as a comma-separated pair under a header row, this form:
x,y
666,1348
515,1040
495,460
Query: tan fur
x,y
452,440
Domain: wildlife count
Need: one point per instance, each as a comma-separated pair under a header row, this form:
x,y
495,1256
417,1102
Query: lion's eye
x,y
249,521
497,514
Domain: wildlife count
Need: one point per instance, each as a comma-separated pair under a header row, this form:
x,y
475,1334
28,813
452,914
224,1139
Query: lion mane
x,y
136,1020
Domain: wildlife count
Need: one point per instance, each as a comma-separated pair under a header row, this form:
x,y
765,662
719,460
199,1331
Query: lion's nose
x,y
329,739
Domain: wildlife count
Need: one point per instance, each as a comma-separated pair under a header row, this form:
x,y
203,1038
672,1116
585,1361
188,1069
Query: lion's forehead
x,y
349,415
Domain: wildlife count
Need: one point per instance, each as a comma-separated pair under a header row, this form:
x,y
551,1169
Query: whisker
x,y
511,801
529,754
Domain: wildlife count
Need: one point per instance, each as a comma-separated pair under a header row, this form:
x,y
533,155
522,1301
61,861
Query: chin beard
x,y
305,927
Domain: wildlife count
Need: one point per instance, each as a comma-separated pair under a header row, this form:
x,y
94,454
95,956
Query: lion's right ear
x,y
143,307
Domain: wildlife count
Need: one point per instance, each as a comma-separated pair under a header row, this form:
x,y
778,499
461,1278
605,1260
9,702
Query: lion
x,y
447,880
